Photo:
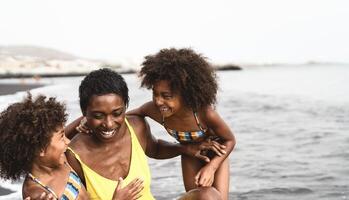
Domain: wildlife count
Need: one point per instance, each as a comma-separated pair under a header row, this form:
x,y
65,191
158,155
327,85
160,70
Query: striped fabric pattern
x,y
71,191
72,188
185,136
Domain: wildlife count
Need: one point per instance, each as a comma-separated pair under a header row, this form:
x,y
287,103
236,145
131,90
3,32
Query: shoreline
x,y
73,74
11,88
7,76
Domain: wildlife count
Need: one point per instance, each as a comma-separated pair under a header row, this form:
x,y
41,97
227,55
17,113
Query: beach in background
x,y
291,124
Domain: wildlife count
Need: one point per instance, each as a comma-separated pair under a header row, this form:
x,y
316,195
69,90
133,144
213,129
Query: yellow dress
x,y
99,187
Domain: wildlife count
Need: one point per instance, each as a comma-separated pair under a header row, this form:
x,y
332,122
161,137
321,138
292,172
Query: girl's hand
x,y
196,150
212,145
82,128
131,191
205,176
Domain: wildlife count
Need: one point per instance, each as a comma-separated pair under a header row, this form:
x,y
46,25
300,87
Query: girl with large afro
x,y
184,90
33,146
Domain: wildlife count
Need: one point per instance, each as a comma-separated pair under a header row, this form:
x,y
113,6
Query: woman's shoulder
x,y
137,122
80,142
140,127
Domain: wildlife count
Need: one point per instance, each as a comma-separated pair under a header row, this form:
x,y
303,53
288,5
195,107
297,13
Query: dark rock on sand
x,y
227,67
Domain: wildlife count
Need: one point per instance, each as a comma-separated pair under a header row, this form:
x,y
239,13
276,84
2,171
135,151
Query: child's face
x,y
105,115
168,101
54,152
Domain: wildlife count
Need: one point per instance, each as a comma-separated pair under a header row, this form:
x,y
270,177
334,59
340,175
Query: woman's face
x,y
53,155
167,101
105,115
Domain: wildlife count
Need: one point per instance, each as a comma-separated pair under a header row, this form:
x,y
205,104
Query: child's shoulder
x,y
207,111
208,114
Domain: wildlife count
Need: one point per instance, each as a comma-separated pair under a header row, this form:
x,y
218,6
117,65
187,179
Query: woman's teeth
x,y
108,133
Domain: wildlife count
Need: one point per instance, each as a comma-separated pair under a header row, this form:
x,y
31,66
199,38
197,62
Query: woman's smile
x,y
105,115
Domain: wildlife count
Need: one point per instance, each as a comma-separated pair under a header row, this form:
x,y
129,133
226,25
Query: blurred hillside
x,y
23,61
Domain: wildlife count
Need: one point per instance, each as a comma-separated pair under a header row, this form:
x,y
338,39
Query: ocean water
x,y
291,125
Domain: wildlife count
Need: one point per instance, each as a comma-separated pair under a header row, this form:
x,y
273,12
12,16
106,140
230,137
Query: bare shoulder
x,y
209,114
140,127
79,142
136,121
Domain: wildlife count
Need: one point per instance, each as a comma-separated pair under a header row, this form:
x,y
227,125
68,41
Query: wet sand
x,y
11,88
4,191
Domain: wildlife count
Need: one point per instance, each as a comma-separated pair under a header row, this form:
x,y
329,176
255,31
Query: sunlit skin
x,y
51,169
168,104
105,113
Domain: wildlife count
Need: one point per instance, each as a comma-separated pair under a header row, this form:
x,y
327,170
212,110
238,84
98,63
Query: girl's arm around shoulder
x,y
160,149
154,148
147,110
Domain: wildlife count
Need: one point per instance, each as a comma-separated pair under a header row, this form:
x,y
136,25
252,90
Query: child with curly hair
x,y
33,146
184,91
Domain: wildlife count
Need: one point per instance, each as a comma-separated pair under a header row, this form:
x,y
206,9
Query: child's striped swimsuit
x,y
71,191
186,136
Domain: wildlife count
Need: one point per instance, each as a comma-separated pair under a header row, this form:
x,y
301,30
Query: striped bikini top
x,y
186,136
71,191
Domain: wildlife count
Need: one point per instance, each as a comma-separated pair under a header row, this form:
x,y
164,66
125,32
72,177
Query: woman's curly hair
x,y
187,72
26,128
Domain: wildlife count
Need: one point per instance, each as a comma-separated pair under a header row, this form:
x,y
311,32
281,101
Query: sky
x,y
225,31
